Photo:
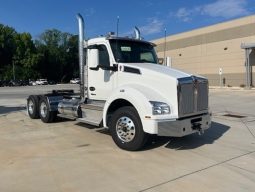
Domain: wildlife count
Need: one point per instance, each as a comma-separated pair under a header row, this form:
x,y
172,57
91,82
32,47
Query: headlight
x,y
160,108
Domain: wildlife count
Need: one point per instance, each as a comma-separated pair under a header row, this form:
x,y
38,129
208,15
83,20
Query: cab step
x,y
94,122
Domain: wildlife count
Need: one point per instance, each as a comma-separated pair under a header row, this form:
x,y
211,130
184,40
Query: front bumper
x,y
178,127
186,126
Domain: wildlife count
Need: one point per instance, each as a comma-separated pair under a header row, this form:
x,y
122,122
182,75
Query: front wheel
x,y
46,115
127,130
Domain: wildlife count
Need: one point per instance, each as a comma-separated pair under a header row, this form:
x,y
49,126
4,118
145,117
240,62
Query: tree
x,y
18,55
25,57
59,52
7,47
54,55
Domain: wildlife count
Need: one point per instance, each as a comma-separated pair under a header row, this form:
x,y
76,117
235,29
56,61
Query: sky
x,y
152,17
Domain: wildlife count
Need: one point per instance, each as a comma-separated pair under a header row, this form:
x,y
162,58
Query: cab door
x,y
100,81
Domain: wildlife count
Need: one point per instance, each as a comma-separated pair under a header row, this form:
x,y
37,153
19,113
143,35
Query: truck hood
x,y
157,69
154,81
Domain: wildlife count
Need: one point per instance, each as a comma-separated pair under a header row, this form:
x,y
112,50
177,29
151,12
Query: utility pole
x,y
165,49
13,70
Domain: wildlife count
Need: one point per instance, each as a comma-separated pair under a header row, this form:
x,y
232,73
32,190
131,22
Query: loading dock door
x,y
249,62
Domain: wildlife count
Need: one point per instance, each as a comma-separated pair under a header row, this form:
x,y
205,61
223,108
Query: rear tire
x,y
127,130
33,106
46,115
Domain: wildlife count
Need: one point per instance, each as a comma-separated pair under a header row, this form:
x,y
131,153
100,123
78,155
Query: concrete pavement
x,y
67,156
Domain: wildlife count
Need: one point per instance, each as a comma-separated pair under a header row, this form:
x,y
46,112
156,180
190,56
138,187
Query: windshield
x,y
126,51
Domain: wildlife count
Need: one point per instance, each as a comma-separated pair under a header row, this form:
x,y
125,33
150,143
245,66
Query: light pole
x,y
165,48
13,70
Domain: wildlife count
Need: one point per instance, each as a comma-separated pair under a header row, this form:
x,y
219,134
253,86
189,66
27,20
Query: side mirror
x,y
161,61
93,59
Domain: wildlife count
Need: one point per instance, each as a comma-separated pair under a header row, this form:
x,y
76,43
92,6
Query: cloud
x,y
226,8
153,26
149,4
89,12
183,14
220,8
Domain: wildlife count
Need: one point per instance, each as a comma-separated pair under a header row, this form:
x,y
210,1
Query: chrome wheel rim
x,y
30,106
43,109
125,129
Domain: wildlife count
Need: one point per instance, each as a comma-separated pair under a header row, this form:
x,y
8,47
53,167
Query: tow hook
x,y
197,126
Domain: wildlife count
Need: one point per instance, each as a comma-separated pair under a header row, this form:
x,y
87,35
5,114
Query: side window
x,y
103,56
147,56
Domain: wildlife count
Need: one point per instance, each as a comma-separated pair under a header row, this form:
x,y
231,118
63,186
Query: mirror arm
x,y
110,68
94,68
114,67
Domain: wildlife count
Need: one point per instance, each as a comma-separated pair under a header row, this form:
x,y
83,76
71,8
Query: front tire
x,y
46,115
127,130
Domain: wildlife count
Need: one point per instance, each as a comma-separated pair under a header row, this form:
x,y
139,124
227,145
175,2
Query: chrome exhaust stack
x,y
137,33
82,63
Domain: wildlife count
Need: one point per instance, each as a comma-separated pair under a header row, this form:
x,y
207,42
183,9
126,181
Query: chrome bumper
x,y
186,126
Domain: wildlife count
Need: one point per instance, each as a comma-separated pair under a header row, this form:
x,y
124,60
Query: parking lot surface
x,y
68,156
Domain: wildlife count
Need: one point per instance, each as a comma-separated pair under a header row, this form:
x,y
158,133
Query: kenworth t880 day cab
x,y
124,89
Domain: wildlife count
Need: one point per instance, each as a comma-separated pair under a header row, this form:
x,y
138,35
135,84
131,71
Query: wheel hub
x,y
30,106
125,129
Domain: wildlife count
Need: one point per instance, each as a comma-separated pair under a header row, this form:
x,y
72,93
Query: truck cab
x,y
108,55
124,89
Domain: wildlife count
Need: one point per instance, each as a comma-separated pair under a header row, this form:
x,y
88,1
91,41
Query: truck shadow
x,y
6,109
216,131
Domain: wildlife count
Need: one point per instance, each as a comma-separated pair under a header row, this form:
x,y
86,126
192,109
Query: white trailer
x,y
124,89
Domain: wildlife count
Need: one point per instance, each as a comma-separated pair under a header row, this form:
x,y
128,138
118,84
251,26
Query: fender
x,y
139,96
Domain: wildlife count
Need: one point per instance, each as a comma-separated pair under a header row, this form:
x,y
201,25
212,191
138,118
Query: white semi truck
x,y
124,89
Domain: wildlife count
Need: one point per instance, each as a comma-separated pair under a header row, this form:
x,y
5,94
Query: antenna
x,y
118,19
165,49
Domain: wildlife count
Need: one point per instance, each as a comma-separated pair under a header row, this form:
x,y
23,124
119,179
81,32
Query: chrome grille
x,y
202,96
192,95
186,98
